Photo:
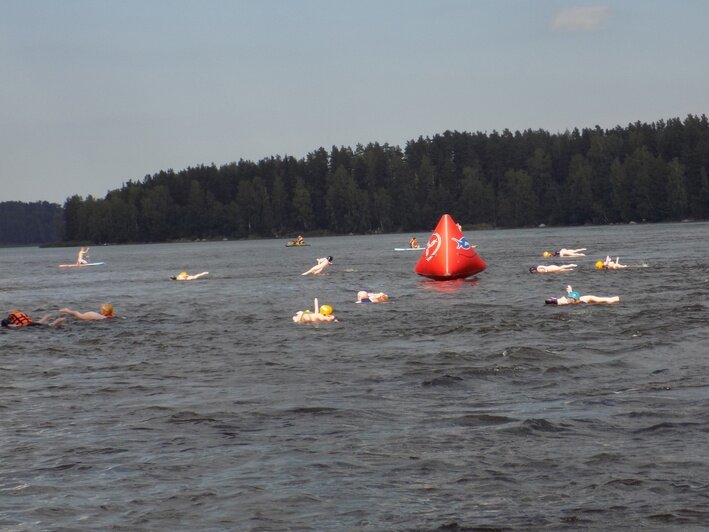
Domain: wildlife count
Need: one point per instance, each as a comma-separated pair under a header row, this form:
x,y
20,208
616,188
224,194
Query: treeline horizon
x,y
644,172
30,223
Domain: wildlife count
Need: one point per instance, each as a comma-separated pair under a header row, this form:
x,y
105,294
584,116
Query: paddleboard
x,y
289,245
409,249
81,265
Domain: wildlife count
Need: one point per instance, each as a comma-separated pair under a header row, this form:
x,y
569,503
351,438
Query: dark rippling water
x,y
456,406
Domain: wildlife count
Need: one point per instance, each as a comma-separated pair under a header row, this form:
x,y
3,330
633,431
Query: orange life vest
x,y
18,319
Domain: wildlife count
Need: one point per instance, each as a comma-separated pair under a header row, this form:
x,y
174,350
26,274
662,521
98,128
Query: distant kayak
x,y
81,265
292,244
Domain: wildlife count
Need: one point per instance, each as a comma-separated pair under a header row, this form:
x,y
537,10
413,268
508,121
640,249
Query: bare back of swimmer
x,y
552,268
563,252
105,311
573,298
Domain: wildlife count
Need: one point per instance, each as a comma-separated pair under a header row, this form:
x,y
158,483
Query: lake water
x,y
458,404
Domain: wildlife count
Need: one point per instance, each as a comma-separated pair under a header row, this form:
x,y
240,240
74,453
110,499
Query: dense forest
x,y
644,173
30,223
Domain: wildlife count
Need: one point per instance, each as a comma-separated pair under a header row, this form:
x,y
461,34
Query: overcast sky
x,y
98,92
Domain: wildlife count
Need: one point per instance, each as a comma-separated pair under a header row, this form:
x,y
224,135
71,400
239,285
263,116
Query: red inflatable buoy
x,y
448,254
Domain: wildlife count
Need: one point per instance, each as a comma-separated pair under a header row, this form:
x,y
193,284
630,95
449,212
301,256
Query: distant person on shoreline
x,y
563,252
609,264
82,256
17,319
319,267
371,297
574,298
105,311
552,268
184,276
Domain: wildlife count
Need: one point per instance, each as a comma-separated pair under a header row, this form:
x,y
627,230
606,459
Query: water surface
x,y
459,404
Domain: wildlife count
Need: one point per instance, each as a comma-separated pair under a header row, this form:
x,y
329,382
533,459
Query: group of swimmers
x,y
17,318
572,296
606,264
324,313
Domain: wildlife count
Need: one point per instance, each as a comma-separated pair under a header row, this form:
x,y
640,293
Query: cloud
x,y
580,18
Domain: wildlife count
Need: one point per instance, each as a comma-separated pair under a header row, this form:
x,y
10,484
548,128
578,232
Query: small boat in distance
x,y
297,242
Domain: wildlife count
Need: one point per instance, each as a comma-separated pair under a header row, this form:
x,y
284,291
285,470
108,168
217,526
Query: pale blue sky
x,y
97,92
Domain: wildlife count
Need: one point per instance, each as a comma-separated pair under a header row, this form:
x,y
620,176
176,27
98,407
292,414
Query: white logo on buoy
x,y
434,243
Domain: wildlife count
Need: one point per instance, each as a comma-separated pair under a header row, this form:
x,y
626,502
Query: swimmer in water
x,y
104,312
184,276
321,314
563,252
552,268
319,267
574,298
371,297
17,319
609,264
